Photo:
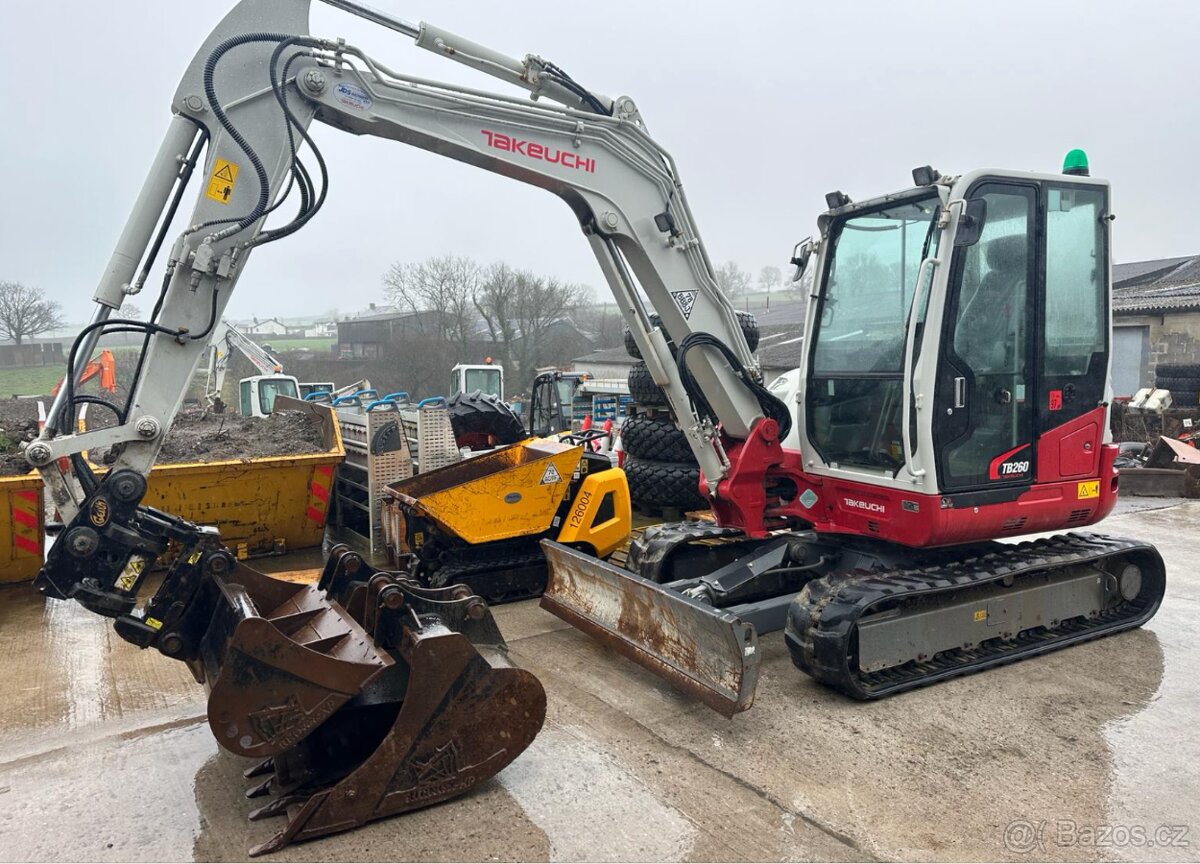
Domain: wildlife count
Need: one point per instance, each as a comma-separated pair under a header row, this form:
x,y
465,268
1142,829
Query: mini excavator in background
x,y
954,392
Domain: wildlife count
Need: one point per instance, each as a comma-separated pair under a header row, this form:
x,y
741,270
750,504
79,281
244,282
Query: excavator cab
x,y
953,392
551,402
958,357
256,394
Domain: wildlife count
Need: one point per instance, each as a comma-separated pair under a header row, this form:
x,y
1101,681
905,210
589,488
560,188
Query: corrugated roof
x,y
1167,285
1137,271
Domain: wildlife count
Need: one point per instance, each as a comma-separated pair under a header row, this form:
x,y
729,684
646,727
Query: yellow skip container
x,y
22,527
262,504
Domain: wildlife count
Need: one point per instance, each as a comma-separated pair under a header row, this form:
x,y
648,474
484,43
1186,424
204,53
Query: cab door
x,y
983,419
1074,351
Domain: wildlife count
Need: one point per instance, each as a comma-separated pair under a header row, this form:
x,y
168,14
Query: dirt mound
x,y
18,424
208,438
217,437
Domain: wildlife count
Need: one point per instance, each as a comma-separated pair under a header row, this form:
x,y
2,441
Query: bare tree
x,y
543,303
522,310
25,311
732,279
769,277
604,324
130,311
441,291
496,302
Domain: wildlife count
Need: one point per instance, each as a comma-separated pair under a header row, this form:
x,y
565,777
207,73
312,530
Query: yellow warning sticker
x,y
194,557
154,622
1089,489
130,574
224,178
981,615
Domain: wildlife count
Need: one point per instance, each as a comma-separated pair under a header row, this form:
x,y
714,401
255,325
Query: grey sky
x,y
765,106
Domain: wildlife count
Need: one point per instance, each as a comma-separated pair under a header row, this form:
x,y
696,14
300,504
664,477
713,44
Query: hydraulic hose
x,y
210,92
772,406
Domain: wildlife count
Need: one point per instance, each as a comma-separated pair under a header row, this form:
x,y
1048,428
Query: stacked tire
x,y
659,464
482,421
1182,379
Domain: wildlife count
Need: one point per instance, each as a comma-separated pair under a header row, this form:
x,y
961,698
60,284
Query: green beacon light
x,y
1076,163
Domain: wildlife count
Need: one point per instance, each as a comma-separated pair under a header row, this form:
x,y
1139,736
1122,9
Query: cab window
x,y
855,395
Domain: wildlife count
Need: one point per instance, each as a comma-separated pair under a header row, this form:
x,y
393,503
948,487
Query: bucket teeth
x,y
278,807
266,766
263,788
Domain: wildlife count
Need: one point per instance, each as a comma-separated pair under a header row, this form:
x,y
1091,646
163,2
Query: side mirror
x,y
800,255
970,222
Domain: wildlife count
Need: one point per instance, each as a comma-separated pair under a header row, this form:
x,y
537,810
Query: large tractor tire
x,y
642,388
747,320
1184,391
1177,370
481,421
750,329
655,439
664,484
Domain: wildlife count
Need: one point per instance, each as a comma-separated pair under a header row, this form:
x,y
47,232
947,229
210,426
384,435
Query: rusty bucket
x,y
364,696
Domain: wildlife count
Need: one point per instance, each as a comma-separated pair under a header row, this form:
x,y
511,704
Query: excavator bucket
x,y
362,697
706,652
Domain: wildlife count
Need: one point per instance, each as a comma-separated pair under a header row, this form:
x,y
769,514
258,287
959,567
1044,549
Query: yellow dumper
x,y
479,521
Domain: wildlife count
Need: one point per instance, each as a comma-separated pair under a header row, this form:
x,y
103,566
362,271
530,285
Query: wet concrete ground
x,y
105,755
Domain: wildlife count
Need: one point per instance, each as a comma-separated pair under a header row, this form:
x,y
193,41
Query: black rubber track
x,y
481,420
642,388
664,484
497,573
656,439
746,319
822,631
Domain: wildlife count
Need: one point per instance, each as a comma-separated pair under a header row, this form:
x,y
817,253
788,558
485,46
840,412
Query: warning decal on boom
x,y
685,300
224,178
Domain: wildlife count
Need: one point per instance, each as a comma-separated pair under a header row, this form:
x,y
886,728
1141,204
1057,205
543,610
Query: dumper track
x,y
498,576
822,628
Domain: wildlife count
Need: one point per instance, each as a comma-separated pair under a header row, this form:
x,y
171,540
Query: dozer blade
x,y
365,696
706,652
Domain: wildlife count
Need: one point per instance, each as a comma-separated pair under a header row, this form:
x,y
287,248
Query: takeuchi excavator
x,y
256,394
954,392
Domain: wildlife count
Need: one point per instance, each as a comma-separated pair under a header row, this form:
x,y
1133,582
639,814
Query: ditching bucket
x,y
706,652
365,695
